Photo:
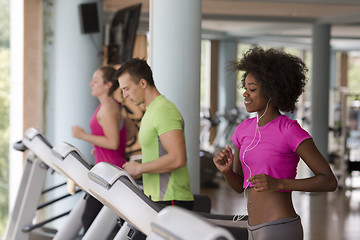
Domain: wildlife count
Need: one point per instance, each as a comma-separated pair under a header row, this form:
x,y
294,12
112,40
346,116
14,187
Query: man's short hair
x,y
137,69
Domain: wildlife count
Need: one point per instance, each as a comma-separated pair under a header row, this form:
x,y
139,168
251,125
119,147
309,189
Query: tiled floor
x,y
333,216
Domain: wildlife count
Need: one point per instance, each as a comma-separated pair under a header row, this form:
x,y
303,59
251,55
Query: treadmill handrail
x,y
63,149
106,176
122,176
31,133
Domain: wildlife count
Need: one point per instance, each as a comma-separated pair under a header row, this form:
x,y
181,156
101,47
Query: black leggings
x,y
92,208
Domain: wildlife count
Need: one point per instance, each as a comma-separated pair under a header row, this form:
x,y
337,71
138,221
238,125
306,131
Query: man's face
x,y
131,90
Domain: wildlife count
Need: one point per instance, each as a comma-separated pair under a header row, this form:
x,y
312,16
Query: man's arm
x,y
174,143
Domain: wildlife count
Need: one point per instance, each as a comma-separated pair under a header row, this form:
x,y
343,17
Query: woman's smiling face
x,y
253,99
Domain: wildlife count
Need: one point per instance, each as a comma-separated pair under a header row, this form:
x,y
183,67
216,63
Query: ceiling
x,y
273,22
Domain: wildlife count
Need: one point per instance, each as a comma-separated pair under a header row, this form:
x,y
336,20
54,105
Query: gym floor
x,y
333,216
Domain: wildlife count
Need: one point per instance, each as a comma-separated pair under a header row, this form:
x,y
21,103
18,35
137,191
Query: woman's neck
x,y
104,98
269,116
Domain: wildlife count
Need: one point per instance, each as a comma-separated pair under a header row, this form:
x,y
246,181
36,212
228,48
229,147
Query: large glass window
x,y
354,71
205,75
4,113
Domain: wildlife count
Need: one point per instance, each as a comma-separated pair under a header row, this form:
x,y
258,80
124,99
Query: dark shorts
x,y
282,229
184,204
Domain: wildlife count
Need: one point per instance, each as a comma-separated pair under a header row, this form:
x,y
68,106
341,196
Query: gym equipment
x,y
176,223
67,160
30,190
125,204
138,209
20,224
130,203
110,185
348,153
72,164
225,125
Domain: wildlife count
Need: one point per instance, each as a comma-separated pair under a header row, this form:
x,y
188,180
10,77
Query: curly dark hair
x,y
282,76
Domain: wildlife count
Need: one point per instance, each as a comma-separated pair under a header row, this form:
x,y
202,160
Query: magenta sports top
x,y
116,157
274,154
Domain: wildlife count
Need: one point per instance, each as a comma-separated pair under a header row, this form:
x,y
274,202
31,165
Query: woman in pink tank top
x,y
108,128
108,131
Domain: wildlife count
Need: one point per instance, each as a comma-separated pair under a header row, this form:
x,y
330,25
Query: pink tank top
x,y
116,157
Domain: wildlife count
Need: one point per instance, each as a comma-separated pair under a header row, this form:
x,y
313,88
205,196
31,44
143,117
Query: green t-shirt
x,y
160,117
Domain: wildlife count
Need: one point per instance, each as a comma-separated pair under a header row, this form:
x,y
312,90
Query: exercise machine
x,y
47,158
176,223
138,210
124,202
20,224
112,186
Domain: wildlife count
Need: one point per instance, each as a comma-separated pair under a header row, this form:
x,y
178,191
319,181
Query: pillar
x,y
320,86
227,78
175,43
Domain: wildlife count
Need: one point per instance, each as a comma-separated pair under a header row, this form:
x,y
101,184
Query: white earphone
x,y
241,216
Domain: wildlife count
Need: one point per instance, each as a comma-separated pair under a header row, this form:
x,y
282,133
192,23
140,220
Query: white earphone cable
x,y
239,217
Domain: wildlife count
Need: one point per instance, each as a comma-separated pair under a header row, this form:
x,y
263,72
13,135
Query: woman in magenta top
x,y
108,132
267,148
113,156
108,128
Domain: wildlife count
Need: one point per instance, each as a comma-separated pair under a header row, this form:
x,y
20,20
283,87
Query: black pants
x,y
92,208
184,204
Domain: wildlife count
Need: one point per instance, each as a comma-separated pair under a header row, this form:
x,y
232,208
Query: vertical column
x,y
344,114
320,86
227,79
175,40
344,65
214,83
333,89
32,64
320,95
16,94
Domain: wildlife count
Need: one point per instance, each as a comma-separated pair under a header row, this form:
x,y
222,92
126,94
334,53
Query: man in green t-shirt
x,y
161,136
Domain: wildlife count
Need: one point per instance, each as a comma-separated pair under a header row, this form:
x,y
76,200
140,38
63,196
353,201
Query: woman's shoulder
x,y
111,105
288,124
286,121
111,102
248,121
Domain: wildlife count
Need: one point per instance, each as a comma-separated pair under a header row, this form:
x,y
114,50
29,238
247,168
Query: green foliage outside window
x,y
4,113
354,73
